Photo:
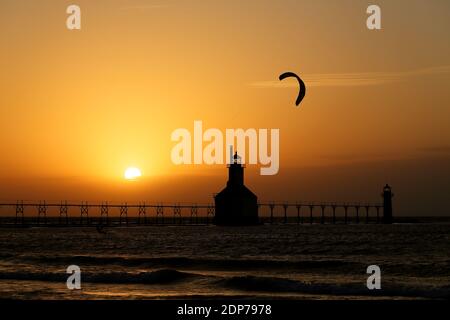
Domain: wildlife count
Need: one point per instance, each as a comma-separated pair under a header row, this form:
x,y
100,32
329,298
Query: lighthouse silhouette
x,y
387,204
236,204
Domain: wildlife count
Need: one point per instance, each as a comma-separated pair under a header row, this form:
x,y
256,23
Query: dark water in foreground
x,y
286,261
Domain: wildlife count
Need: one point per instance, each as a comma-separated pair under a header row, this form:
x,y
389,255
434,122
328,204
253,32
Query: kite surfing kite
x,y
302,91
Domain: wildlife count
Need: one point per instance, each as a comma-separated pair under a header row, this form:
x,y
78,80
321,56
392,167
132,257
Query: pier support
x,y
194,211
104,212
378,214
84,212
357,213
210,213
311,207
142,212
346,214
322,218
160,213
64,213
285,207
299,207
42,212
176,213
334,213
367,214
19,212
272,206
123,213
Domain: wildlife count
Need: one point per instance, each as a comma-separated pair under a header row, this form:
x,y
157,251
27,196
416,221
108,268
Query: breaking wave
x,y
164,276
262,284
198,263
279,285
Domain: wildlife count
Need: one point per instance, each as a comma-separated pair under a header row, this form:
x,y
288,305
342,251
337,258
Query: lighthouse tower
x,y
236,204
387,204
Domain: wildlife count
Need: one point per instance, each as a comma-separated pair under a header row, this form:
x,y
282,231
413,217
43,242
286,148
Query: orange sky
x,y
78,107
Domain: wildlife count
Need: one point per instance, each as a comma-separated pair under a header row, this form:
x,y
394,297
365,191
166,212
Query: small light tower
x,y
387,204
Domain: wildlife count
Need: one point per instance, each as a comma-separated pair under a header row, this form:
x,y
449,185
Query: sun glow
x,y
132,173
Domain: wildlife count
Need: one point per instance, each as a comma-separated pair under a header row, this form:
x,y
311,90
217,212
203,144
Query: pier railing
x,y
141,213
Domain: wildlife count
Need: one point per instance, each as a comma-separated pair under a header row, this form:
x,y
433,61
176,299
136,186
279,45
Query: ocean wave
x,y
279,285
246,283
330,266
163,276
197,263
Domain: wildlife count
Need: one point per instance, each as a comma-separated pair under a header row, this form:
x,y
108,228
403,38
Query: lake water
x,y
270,261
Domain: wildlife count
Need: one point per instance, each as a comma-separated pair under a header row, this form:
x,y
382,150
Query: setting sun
x,y
132,173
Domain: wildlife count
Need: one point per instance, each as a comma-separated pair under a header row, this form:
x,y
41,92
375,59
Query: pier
x,y
43,213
